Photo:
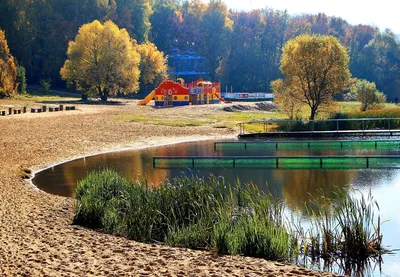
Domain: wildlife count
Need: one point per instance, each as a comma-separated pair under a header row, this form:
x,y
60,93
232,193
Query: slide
x,y
147,99
222,99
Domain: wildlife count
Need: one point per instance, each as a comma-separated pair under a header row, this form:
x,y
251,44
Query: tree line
x,y
242,49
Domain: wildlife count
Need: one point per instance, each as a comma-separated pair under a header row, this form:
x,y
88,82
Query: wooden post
x,y
44,108
10,110
61,107
24,109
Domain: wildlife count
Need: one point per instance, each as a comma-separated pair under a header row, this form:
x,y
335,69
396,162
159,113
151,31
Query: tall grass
x,y
344,229
207,213
188,212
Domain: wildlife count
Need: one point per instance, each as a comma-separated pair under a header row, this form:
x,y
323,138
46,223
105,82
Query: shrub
x,y
45,84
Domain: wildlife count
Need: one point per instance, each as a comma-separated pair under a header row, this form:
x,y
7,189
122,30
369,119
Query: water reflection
x,y
294,186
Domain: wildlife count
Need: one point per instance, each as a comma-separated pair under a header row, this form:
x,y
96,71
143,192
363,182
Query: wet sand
x,y
37,237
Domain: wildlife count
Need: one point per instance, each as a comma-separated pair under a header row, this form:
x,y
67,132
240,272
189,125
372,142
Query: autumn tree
x,y
153,65
367,93
102,61
8,68
290,105
315,69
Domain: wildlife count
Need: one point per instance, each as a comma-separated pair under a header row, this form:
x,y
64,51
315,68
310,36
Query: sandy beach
x,y
37,237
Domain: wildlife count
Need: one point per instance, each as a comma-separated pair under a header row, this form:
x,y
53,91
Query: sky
x,y
380,13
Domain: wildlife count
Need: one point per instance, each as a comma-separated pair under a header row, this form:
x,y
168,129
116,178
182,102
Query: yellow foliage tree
x,y
315,69
369,96
282,97
102,61
153,64
8,69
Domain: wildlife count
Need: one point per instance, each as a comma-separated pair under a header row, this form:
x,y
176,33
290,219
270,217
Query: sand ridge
x,y
36,234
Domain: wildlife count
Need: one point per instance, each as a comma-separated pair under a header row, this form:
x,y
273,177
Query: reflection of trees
x,y
301,186
72,173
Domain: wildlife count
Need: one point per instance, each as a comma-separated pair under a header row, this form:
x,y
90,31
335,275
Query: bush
x,y
45,84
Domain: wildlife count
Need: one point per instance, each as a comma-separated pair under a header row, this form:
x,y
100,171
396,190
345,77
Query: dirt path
x,y
36,235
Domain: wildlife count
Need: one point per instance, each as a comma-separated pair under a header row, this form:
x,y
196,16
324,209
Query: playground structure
x,y
170,93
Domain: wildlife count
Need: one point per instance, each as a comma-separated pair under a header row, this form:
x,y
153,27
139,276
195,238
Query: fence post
x,y
337,125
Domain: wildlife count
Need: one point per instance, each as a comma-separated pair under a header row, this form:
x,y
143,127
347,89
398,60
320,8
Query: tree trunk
x,y
103,96
84,97
313,112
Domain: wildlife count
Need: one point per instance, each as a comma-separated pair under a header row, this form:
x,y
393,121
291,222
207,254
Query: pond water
x,y
293,186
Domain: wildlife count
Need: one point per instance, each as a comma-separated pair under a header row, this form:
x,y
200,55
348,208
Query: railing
x,y
359,124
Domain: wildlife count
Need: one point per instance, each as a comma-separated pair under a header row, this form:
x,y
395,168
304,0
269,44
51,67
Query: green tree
x,y
134,15
367,93
380,62
21,79
273,40
217,27
8,68
242,66
166,24
315,69
153,65
102,60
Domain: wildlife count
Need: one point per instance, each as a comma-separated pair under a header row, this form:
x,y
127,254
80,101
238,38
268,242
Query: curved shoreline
x,y
36,234
179,140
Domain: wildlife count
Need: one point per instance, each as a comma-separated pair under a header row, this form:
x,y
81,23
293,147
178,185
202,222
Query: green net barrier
x,y
213,163
389,144
282,162
256,163
173,163
383,163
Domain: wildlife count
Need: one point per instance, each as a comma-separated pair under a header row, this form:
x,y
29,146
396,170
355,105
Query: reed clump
x,y
207,213
344,229
199,213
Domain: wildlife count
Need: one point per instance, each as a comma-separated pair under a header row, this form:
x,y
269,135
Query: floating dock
x,y
327,144
319,134
278,162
